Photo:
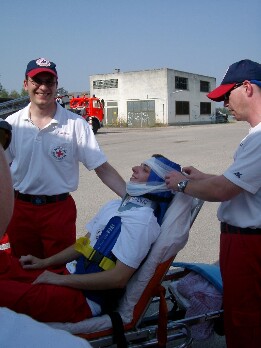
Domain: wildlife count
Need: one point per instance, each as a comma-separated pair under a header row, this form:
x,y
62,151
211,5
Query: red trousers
x,y
43,302
240,264
42,230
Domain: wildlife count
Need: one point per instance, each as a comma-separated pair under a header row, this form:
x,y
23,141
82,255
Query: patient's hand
x,y
48,277
31,262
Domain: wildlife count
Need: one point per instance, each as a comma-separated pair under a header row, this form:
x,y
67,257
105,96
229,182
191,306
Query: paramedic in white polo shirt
x,y
47,145
239,190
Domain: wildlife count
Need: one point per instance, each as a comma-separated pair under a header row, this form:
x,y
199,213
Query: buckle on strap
x,y
83,246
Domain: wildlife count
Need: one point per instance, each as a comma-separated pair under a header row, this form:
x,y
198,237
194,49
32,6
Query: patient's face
x,y
140,173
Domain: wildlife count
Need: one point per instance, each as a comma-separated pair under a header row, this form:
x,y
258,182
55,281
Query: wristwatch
x,y
182,185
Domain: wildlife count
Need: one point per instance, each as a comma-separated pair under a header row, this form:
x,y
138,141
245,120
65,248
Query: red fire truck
x,y
90,108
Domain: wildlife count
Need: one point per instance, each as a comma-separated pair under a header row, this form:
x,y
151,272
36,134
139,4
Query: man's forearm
x,y
111,279
66,255
93,281
213,189
204,189
6,193
111,178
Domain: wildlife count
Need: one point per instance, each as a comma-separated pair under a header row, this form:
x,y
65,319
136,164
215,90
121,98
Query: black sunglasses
x,y
226,96
39,82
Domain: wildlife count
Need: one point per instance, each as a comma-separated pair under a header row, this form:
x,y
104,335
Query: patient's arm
x,y
111,279
61,258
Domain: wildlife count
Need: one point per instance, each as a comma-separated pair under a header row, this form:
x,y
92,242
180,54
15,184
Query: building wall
x,y
157,85
193,95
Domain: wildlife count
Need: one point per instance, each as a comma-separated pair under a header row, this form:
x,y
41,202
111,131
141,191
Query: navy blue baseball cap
x,y
238,72
39,65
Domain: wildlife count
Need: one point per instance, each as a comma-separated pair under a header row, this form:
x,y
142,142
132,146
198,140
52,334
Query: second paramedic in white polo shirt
x,y
47,145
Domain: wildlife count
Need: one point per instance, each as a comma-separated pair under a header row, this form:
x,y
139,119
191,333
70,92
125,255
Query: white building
x,y
149,97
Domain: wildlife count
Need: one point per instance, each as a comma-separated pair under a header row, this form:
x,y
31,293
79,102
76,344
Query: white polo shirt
x,y
244,209
46,161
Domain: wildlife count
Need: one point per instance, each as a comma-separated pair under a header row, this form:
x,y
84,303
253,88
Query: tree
x,y
23,93
14,94
3,93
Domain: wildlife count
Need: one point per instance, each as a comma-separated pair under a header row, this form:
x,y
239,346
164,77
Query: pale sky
x,y
86,37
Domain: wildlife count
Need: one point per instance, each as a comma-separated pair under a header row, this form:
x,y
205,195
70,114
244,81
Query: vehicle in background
x,y
221,117
91,109
63,100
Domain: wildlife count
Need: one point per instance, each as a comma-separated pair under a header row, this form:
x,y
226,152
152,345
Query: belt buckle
x,y
38,200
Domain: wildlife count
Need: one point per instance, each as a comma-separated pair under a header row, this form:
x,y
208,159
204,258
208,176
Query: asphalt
x,y
209,148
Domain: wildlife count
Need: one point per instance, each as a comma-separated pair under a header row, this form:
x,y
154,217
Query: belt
x,y
40,199
226,228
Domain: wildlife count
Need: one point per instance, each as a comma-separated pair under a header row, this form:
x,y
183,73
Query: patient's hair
x,y
156,155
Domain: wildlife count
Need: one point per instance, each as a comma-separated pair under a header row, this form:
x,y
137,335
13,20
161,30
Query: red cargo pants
x,y
43,302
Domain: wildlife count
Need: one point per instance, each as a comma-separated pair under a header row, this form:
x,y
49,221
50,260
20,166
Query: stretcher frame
x,y
167,323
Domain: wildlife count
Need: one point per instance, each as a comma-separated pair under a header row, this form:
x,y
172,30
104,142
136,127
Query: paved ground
x,y
207,147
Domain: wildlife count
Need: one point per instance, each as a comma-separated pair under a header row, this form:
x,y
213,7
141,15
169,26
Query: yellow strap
x,y
107,264
82,245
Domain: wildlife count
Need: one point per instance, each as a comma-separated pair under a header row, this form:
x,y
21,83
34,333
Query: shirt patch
x,y
238,174
59,153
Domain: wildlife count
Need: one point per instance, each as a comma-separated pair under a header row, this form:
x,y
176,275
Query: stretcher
x,y
150,314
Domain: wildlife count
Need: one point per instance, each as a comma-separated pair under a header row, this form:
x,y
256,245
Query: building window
x,y
204,86
205,108
112,103
102,84
181,83
182,108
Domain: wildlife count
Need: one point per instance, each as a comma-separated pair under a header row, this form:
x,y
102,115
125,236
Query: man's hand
x,y
32,262
173,178
5,133
194,174
48,277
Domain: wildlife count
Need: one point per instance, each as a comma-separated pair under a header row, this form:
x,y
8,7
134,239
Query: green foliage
x,y
3,93
23,92
14,94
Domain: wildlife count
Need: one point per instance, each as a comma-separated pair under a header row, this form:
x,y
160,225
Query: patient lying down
x,y
96,269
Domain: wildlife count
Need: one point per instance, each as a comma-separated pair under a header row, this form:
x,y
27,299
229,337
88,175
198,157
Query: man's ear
x,y
25,85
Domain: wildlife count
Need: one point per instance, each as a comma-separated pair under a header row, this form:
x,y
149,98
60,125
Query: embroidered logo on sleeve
x,y
238,174
59,153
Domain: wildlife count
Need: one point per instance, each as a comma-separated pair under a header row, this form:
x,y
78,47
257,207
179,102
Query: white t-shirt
x,y
244,209
21,331
46,161
139,230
